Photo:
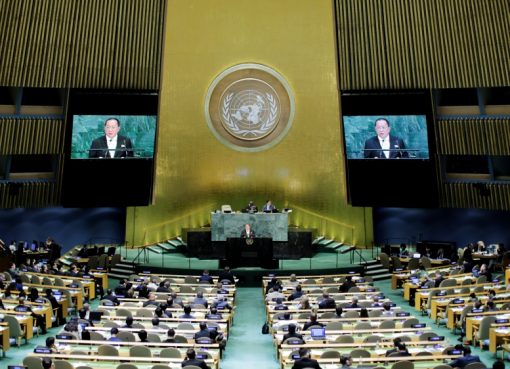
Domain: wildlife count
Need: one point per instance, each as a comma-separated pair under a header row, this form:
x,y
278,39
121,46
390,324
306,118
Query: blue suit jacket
x,y
461,362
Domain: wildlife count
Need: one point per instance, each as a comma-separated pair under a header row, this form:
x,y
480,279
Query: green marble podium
x,y
267,225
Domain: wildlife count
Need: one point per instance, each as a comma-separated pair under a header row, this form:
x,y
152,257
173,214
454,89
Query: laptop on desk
x,y
318,333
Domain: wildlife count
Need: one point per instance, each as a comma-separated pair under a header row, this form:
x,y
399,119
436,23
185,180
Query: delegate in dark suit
x,y
99,148
373,148
306,363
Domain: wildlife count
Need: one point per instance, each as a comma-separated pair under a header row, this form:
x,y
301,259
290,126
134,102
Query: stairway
x,y
175,245
122,270
374,269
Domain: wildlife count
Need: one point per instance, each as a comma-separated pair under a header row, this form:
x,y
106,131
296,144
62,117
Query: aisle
x,y
247,348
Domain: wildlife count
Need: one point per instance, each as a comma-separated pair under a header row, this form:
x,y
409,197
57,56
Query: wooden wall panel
x,y
33,136
423,43
474,136
81,43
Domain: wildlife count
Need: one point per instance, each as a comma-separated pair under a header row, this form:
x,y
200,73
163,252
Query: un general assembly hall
x,y
286,184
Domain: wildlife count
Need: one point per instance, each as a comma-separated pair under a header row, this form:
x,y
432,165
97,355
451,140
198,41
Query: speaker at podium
x,y
250,252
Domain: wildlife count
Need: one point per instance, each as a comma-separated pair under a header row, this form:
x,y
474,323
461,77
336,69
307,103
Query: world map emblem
x,y
249,107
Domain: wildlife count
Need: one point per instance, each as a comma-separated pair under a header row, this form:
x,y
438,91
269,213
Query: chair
x,y
191,367
351,314
385,260
344,339
144,313
354,289
450,282
186,289
328,280
126,336
359,353
397,264
328,315
479,289
413,264
152,337
103,261
61,364
374,313
424,353
58,282
293,341
83,367
387,324
334,326
123,312
93,262
47,282
170,352
481,279
15,330
483,331
124,365
425,336
107,350
443,366
309,281
330,354
116,259
465,311
140,351
372,339
185,326
363,325
32,362
475,366
405,338
110,324
425,261
410,322
190,280
78,352
180,339
96,336
403,365
157,366
505,262
467,282
138,326
36,279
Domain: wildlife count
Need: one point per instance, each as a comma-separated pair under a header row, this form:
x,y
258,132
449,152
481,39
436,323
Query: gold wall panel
x,y
196,173
423,43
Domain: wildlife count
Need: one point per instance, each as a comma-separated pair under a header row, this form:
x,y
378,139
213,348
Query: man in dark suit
x,y
383,145
111,145
305,361
247,232
461,362
191,360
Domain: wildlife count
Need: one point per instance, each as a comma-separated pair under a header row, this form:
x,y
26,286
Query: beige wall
x,y
196,173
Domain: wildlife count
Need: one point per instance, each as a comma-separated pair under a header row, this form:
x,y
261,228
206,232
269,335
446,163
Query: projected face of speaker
x,y
382,129
111,128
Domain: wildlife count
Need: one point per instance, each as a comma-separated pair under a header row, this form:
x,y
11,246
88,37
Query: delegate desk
x,y
267,225
419,362
108,362
91,347
5,333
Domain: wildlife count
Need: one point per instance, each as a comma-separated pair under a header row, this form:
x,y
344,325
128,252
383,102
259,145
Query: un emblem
x,y
249,107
